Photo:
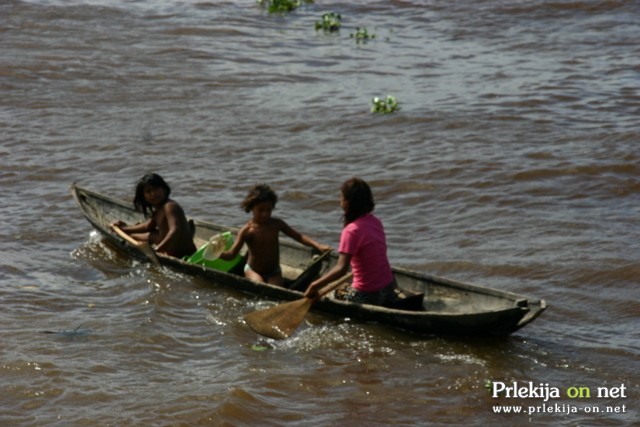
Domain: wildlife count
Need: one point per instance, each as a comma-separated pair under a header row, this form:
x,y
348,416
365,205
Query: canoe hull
x,y
448,308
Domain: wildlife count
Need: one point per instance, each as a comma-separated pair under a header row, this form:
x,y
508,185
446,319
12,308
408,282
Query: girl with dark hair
x,y
167,227
363,247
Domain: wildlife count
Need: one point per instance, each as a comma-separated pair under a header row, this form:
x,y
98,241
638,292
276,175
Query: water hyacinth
x,y
385,106
362,35
330,22
282,6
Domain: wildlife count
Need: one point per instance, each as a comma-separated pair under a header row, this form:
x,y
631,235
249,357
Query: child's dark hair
x,y
258,194
359,199
152,180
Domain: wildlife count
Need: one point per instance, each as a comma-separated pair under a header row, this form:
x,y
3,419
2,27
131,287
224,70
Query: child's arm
x,y
339,270
172,213
142,227
237,245
302,238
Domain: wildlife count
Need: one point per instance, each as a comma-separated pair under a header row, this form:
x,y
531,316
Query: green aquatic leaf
x,y
385,106
330,22
257,347
282,6
362,35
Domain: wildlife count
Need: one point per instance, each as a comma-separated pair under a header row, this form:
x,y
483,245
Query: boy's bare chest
x,y
262,234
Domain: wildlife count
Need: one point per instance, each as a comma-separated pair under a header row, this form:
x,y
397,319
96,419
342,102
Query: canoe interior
x,y
448,296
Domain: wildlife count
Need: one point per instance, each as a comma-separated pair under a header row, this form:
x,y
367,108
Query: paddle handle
x,y
144,247
333,285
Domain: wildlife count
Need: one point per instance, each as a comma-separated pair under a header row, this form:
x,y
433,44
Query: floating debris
x,y
70,333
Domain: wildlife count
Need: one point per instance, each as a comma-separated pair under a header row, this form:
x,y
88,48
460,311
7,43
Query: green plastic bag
x,y
208,253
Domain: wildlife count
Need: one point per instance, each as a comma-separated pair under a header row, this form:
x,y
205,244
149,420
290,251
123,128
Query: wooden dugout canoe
x,y
448,307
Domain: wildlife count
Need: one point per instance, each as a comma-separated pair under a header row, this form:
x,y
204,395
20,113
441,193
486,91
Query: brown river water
x,y
513,163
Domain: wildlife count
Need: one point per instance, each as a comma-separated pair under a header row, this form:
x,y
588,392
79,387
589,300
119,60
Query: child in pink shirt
x,y
363,247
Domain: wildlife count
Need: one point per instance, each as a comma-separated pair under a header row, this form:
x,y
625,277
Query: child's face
x,y
154,195
262,212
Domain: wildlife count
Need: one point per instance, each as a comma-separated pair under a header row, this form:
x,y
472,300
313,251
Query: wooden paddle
x,y
281,321
144,247
305,278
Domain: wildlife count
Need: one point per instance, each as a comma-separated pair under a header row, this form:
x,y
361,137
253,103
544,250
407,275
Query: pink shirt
x,y
365,241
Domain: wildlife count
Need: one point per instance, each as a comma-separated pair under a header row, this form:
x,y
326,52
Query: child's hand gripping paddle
x,y
282,320
144,247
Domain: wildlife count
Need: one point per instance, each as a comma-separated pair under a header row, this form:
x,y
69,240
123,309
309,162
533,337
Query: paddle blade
x,y
279,321
148,251
143,247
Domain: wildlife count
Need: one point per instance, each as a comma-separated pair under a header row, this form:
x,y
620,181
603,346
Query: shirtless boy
x,y
261,236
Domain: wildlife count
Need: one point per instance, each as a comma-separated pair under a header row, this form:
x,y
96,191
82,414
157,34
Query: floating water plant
x,y
385,106
362,35
282,6
330,22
